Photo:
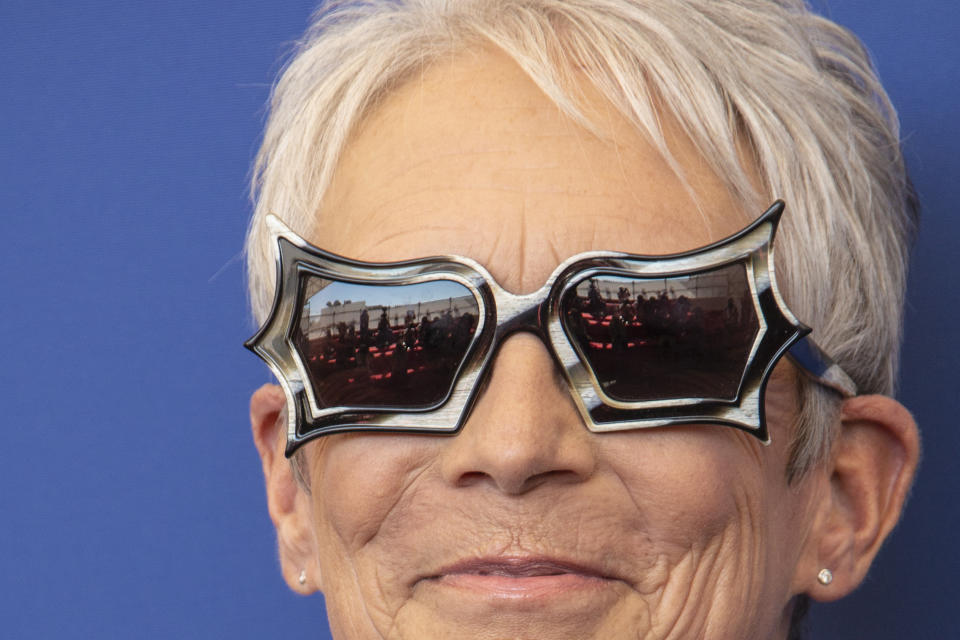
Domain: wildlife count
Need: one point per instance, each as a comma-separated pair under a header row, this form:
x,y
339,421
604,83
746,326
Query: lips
x,y
517,567
518,579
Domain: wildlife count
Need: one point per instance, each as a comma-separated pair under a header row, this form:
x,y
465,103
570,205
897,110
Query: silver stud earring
x,y
302,578
825,577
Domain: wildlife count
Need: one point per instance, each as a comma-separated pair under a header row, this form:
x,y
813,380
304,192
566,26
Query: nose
x,y
524,429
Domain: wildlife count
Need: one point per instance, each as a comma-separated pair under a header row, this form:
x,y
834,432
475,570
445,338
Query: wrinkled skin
x,y
681,533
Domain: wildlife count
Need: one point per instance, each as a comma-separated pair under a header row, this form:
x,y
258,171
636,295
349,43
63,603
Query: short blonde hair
x,y
798,89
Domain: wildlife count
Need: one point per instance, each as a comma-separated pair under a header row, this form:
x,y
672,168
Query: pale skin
x,y
683,533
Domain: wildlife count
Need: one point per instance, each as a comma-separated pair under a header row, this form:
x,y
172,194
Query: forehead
x,y
472,158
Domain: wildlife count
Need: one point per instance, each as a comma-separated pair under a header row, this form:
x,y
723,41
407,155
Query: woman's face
x,y
527,525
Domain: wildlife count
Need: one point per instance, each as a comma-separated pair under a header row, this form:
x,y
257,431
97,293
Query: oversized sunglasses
x,y
643,341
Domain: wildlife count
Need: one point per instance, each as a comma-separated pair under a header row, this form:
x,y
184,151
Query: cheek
x,y
696,491
705,509
685,471
358,480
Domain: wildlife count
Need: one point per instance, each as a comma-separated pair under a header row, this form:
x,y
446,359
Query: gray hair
x,y
796,89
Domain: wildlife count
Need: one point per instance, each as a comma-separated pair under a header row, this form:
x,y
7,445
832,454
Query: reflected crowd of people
x,y
658,338
388,353
647,343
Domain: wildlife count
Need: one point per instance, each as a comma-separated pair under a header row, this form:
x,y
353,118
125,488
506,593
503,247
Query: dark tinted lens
x,y
651,339
383,345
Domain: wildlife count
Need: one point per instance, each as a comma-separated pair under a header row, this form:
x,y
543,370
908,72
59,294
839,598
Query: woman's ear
x,y
288,502
873,462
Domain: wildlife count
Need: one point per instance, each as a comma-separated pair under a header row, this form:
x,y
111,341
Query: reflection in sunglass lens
x,y
383,345
647,339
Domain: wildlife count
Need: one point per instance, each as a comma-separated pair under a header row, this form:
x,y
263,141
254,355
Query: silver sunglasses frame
x,y
503,313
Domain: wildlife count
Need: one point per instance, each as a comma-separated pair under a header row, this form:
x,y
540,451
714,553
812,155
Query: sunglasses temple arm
x,y
819,367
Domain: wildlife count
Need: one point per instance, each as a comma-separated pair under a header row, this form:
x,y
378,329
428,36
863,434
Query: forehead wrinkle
x,y
490,263
551,245
609,141
383,206
414,162
522,245
390,241
517,171
377,215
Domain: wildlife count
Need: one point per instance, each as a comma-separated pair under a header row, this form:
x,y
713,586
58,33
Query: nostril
x,y
556,476
516,483
471,478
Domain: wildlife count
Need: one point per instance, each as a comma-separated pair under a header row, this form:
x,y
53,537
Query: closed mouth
x,y
517,567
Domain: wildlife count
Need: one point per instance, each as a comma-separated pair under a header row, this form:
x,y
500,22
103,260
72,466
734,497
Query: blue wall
x,y
131,497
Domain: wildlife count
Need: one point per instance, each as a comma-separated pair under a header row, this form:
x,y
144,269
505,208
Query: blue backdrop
x,y
131,496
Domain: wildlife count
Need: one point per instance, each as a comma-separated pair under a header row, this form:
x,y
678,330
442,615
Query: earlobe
x,y
870,472
287,502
